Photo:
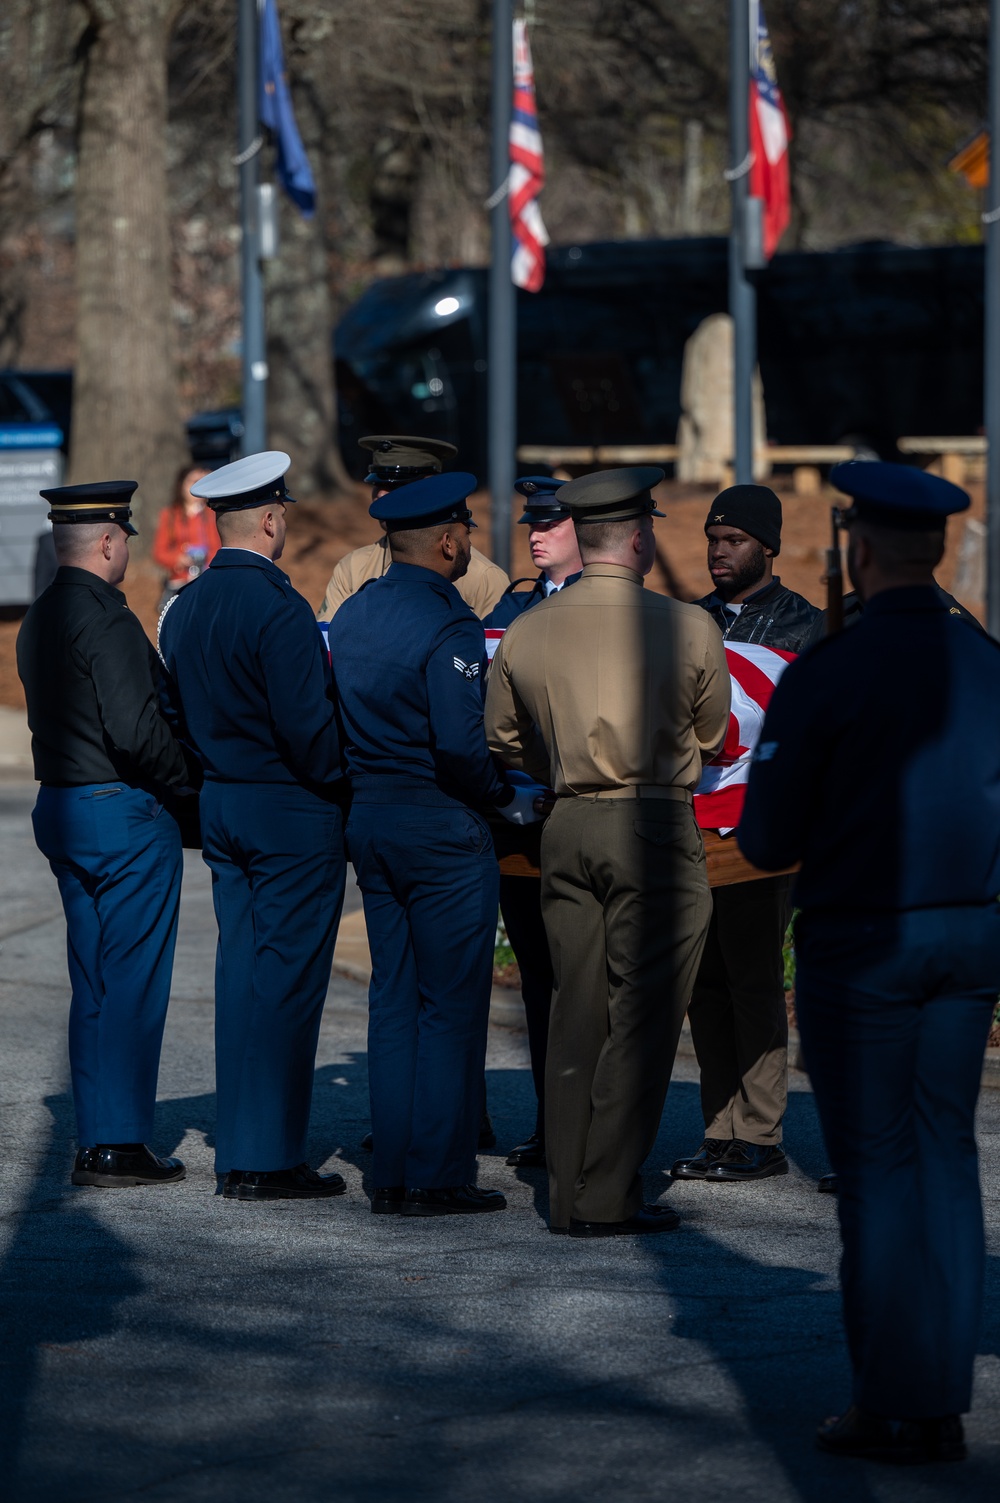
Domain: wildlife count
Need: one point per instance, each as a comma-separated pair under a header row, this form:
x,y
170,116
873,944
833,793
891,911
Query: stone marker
x,y
705,430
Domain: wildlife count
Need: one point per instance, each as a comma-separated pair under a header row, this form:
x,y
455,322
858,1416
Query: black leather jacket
x,y
773,616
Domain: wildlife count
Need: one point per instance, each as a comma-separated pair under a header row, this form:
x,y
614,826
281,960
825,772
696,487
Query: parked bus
x,y
862,345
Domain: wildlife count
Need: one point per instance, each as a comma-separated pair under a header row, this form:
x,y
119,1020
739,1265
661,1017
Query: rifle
x,y
834,577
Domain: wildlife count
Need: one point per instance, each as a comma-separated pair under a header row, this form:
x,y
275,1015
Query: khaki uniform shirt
x,y
481,587
624,687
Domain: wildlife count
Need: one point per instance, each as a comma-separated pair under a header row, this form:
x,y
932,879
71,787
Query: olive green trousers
x,y
626,904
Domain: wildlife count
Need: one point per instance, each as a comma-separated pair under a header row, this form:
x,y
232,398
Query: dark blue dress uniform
x,y
250,686
408,657
521,897
879,769
104,757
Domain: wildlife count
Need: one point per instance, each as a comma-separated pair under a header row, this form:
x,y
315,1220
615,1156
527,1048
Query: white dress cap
x,y
255,473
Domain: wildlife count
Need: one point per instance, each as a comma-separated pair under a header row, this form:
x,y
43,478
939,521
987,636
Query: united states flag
x,y
527,172
718,799
769,135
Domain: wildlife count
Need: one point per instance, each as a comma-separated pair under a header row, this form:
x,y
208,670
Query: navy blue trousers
x,y
430,883
894,1012
276,852
116,854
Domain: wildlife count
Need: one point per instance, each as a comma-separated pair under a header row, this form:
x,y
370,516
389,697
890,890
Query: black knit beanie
x,y
752,508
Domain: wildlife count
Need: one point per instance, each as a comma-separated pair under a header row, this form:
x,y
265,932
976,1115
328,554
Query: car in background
x,y
32,455
215,437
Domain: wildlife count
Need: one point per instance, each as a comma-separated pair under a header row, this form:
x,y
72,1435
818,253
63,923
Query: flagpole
x,y
254,348
991,394
742,295
502,365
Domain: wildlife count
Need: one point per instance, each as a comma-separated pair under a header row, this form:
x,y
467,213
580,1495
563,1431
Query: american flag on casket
x,y
718,799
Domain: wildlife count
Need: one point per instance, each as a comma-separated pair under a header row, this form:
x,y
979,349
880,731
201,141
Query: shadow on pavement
x,y
282,1353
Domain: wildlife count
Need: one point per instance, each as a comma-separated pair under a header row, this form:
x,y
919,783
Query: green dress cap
x,y
612,495
400,458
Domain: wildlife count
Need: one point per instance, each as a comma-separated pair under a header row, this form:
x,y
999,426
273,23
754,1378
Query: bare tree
x,y
126,420
301,400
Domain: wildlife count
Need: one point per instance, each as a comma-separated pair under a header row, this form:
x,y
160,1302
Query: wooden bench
x,y
805,459
609,454
949,456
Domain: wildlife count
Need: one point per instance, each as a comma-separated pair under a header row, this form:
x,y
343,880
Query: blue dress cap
x,y
897,495
97,501
537,486
438,498
253,481
540,501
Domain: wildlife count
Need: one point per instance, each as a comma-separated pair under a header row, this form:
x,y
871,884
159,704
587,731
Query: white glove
x,y
521,809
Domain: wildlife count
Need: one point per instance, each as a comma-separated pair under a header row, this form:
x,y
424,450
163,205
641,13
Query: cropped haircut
x,y
605,537
75,539
412,542
895,549
241,524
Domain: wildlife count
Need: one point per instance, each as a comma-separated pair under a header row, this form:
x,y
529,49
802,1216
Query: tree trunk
x,y
301,404
126,418
301,396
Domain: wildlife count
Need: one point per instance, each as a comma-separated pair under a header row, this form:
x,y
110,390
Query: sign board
x,y
23,514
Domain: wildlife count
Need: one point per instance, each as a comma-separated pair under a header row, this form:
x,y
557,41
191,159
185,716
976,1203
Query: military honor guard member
x,y
397,460
739,1023
104,757
617,697
554,548
251,688
879,769
408,657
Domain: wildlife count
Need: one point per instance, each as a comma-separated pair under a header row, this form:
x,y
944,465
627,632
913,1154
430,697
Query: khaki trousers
x,y
626,905
739,1023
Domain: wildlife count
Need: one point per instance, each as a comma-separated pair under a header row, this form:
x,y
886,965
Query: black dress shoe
x,y
114,1168
529,1154
827,1184
388,1200
367,1142
487,1137
696,1167
648,1218
902,1442
746,1161
460,1200
300,1183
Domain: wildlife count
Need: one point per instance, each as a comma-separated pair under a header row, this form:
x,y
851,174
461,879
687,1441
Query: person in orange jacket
x,y
187,538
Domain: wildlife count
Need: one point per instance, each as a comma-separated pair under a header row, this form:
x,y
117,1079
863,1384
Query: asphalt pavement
x,y
166,1345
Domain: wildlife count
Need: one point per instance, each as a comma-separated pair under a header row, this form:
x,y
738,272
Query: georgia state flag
x,y
769,136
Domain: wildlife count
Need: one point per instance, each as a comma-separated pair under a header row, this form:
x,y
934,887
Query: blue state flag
x,y
276,112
